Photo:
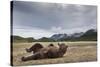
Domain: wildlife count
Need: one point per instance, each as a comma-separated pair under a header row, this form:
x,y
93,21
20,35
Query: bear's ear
x,y
58,44
66,46
50,45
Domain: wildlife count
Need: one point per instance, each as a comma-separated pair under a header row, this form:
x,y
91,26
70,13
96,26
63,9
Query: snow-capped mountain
x,y
58,36
65,36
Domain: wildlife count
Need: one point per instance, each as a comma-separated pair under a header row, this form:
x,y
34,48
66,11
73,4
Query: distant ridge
x,y
21,39
90,35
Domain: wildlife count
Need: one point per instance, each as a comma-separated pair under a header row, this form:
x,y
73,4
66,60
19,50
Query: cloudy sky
x,y
37,19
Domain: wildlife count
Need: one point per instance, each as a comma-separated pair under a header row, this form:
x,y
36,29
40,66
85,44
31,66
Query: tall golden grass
x,y
77,52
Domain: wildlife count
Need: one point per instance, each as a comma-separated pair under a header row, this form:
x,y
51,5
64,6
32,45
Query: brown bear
x,y
48,52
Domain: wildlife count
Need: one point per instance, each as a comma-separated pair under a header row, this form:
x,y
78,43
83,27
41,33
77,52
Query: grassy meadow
x,y
81,51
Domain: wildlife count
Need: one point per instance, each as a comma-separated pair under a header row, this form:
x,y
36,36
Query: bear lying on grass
x,y
48,52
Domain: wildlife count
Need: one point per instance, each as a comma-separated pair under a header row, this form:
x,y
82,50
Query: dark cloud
x,y
48,16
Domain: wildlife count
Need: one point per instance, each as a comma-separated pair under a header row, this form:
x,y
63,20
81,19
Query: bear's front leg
x,y
35,56
27,58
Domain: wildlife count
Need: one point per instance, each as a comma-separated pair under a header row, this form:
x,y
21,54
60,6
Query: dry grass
x,y
77,52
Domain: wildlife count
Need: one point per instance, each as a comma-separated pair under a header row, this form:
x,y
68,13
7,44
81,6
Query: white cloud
x,y
35,33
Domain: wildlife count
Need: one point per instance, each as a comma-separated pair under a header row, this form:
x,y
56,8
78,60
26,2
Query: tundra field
x,y
82,51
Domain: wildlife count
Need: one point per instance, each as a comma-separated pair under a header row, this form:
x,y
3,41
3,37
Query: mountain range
x,y
90,35
66,36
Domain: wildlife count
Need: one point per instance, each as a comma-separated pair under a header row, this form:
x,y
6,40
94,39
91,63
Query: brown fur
x,y
48,52
57,52
50,45
36,47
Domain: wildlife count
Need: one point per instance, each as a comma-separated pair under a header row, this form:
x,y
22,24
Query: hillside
x,y
89,35
15,38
